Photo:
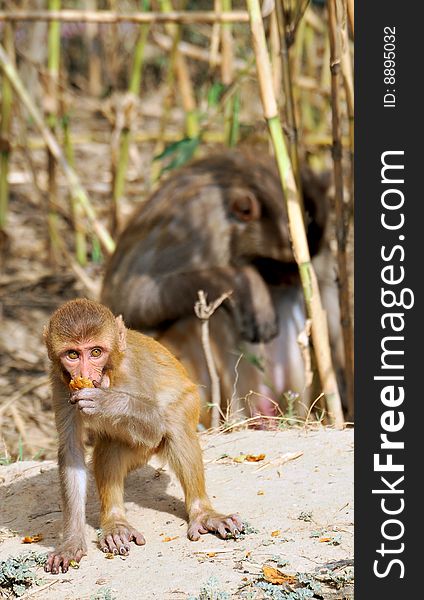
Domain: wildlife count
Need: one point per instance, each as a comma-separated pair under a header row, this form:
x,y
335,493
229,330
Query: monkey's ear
x,y
122,333
244,206
46,341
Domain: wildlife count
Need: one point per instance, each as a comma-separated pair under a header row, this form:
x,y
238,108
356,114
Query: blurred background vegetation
x,y
127,103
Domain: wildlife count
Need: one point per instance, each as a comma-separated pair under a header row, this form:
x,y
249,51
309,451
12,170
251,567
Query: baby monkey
x,y
140,402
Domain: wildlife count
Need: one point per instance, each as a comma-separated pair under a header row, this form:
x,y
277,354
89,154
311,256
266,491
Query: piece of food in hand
x,y
79,383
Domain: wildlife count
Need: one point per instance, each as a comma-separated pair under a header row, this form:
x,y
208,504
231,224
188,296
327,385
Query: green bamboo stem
x,y
288,93
276,62
72,178
93,47
77,212
125,136
51,118
227,75
294,211
335,31
6,114
166,106
234,132
192,126
113,17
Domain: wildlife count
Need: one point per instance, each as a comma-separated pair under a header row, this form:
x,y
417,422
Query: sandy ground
x,y
306,503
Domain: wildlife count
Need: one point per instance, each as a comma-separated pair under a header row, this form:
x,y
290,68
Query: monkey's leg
x,y
73,483
185,458
112,461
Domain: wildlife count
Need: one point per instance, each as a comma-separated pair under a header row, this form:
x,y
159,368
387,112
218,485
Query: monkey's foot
x,y
62,557
116,538
224,525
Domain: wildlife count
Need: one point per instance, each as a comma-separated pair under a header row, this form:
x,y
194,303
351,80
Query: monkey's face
x,y
85,339
86,359
258,228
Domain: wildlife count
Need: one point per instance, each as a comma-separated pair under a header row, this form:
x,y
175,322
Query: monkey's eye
x,y
96,352
73,354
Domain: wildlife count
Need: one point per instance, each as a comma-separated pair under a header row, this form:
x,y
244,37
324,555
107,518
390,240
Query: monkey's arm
x,y
73,483
137,414
148,302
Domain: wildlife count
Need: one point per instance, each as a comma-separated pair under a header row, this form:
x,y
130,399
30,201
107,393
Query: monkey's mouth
x,y
275,272
75,380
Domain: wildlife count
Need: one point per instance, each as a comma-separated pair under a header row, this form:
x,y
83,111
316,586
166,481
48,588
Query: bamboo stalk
x,y
112,54
53,45
134,87
94,62
215,38
183,75
6,114
227,67
341,221
187,95
234,129
35,142
214,58
166,106
76,208
104,16
276,61
227,76
294,211
77,190
210,137
288,92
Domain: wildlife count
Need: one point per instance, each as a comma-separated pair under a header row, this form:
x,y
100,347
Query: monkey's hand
x,y
253,307
210,521
61,557
97,401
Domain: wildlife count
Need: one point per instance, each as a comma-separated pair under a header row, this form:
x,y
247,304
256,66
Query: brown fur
x,y
204,228
143,404
219,224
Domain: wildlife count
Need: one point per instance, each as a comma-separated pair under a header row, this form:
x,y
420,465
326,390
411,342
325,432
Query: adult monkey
x,y
220,224
140,402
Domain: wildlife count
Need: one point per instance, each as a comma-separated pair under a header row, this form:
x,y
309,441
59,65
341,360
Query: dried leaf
x,y
240,458
211,554
32,539
110,555
169,539
277,577
255,458
74,564
275,533
325,539
261,493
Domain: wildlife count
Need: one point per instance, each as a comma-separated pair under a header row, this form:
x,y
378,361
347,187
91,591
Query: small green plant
x,y
104,593
5,460
17,574
275,592
290,398
305,515
337,579
8,459
248,529
210,591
